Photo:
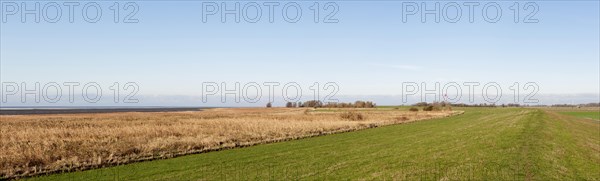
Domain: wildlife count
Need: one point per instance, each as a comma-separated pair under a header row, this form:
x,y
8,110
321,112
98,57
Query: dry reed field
x,y
37,144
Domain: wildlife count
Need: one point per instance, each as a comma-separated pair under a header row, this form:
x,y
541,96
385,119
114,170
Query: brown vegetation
x,y
34,144
352,116
428,108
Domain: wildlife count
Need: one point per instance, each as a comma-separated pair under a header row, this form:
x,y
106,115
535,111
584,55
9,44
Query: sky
x,y
368,51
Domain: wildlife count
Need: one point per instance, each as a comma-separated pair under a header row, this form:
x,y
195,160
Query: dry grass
x,y
35,144
352,116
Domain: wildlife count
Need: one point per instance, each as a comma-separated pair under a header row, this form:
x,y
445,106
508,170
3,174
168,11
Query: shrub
x,y
353,116
313,104
437,106
269,104
420,104
428,108
413,109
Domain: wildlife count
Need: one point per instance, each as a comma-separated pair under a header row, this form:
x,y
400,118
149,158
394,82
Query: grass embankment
x,y
482,144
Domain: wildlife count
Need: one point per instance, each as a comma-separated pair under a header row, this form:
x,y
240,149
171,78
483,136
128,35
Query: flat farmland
x,y
481,144
39,144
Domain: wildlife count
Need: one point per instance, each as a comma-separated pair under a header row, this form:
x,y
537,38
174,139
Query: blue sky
x,y
370,51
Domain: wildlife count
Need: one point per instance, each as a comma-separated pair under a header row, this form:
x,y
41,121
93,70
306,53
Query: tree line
x,y
320,104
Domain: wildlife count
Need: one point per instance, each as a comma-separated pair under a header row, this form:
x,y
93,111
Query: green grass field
x,y
591,114
482,144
